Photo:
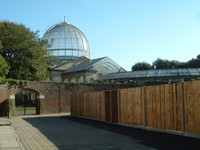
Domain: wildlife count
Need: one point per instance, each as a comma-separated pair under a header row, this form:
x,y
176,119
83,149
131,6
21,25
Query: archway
x,y
26,102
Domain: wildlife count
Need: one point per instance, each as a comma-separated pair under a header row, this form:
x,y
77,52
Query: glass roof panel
x,y
143,73
184,72
153,73
164,72
193,71
174,72
156,73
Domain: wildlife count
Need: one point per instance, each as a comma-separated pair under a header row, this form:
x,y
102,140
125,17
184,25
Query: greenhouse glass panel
x,y
193,71
55,53
66,36
81,53
165,72
153,73
174,72
184,72
62,53
75,53
143,73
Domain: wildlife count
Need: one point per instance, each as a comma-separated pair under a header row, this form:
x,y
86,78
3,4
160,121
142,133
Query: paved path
x,y
30,136
71,133
8,138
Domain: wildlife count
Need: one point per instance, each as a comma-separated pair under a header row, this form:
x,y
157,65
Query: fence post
x,y
182,107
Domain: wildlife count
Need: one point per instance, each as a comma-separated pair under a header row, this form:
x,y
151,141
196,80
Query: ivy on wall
x,y
13,82
8,108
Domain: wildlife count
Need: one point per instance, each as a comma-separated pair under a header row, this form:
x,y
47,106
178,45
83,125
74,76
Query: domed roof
x,y
67,42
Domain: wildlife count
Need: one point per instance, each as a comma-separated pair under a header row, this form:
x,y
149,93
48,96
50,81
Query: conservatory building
x,y
70,46
67,42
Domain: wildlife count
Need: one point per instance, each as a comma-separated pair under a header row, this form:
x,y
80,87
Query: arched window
x,y
81,79
66,80
73,80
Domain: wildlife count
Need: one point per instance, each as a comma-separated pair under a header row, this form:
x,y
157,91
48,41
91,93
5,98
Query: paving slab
x,y
4,121
8,139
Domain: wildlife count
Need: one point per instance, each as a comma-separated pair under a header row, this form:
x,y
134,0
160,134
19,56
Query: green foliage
x,y
13,82
8,108
4,67
167,64
25,53
193,63
141,66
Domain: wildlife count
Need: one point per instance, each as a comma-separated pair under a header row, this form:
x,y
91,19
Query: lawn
x,y
18,108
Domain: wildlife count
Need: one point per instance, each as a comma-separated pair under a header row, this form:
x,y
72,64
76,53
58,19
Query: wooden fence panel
x,y
163,106
124,106
171,106
98,97
132,106
192,106
88,105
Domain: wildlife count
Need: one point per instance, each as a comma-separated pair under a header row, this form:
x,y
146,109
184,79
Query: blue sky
x,y
127,31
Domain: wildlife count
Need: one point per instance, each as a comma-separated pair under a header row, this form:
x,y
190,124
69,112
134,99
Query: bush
x,y
8,108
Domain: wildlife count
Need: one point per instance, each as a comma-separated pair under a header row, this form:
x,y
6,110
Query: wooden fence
x,y
169,106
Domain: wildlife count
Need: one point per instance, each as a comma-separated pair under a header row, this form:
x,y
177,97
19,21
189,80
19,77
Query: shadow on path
x,y
152,139
68,132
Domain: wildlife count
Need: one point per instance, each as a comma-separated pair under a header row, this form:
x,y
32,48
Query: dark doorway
x,y
26,102
111,106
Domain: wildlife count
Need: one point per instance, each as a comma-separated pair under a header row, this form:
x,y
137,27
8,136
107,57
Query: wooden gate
x,y
111,106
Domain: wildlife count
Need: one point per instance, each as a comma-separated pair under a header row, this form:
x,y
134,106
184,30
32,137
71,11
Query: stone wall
x,y
55,97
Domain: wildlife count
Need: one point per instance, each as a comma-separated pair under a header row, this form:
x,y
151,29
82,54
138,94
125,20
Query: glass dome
x,y
67,42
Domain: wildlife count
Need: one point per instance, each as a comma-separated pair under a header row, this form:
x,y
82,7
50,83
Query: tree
x,y
4,67
24,51
141,66
167,64
193,63
161,64
198,56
